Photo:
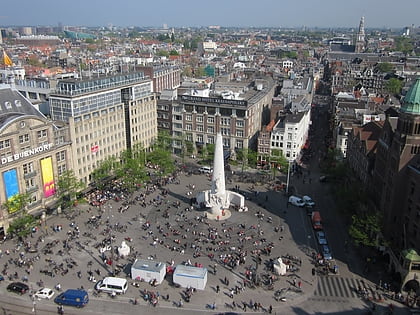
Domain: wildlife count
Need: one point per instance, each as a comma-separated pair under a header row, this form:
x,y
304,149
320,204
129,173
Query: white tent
x,y
188,276
124,249
148,270
280,267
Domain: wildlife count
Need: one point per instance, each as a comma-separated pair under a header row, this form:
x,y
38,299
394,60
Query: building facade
x,y
198,119
106,116
33,151
290,133
397,174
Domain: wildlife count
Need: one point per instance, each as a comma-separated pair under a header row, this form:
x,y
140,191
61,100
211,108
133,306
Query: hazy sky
x,y
243,13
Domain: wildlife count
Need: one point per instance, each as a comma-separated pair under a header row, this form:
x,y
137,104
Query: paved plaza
x,y
158,223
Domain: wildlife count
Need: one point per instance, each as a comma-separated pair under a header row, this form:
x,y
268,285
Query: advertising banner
x,y
47,177
11,183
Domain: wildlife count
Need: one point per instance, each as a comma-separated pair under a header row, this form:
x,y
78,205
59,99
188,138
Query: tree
x,y
199,72
385,67
162,53
364,229
173,52
280,162
132,169
403,44
68,188
252,158
394,86
22,226
17,203
104,171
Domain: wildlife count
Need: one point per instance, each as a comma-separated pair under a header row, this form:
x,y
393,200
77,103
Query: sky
x,y
229,13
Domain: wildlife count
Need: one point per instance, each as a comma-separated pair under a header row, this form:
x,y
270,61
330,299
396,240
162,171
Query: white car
x,y
296,201
44,293
308,201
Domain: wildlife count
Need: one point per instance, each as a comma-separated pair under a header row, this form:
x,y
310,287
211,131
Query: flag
x,y
6,59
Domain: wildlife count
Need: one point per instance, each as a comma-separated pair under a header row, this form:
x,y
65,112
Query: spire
x,y
411,102
360,38
361,33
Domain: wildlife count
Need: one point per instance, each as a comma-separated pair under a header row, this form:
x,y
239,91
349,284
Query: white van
x,y
296,201
112,285
206,169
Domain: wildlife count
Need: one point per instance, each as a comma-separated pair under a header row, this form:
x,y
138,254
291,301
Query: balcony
x,y
32,189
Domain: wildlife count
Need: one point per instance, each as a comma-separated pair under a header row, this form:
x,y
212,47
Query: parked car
x,y
308,201
326,252
44,293
322,240
296,201
323,178
1,278
18,287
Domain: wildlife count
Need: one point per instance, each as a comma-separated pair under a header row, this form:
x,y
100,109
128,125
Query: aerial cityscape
x,y
210,159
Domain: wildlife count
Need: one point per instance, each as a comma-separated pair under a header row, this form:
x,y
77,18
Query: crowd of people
x,y
171,230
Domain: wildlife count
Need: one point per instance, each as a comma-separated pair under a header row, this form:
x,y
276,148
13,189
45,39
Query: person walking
x,y
217,288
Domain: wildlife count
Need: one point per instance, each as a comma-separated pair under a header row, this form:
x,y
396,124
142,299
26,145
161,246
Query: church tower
x,y
360,38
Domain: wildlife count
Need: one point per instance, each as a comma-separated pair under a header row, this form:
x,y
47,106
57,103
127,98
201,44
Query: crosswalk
x,y
336,286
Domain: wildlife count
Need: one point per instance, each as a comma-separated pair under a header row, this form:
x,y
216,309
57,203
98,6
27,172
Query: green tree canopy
x,y
365,228
104,171
385,67
403,44
68,187
17,203
132,170
22,226
394,86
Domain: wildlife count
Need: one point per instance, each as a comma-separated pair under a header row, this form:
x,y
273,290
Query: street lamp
x,y
44,221
288,177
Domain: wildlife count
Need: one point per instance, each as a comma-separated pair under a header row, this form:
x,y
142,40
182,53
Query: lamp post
x,y
33,305
288,177
44,221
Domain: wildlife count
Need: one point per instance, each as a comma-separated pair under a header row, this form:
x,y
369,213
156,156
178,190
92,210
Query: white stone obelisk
x,y
218,199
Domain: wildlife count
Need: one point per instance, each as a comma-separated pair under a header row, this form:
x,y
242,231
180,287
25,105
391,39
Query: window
x,y
239,123
210,139
24,138
5,144
239,133
210,120
289,136
28,168
188,127
225,121
200,138
200,119
210,129
239,144
200,128
188,117
225,131
42,133
29,183
61,156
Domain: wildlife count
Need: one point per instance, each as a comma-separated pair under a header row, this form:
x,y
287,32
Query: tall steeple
x,y
360,39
